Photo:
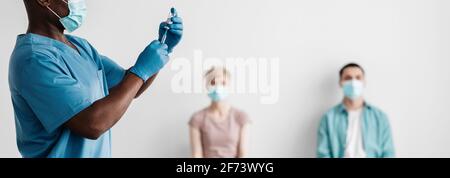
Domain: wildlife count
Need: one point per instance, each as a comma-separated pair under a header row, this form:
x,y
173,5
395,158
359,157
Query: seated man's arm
x,y
387,140
323,145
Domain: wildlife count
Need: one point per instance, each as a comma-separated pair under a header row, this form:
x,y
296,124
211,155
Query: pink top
x,y
220,139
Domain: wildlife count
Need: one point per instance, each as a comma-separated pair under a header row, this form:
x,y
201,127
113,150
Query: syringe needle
x,y
168,21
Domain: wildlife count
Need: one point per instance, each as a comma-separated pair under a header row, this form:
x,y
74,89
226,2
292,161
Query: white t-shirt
x,y
354,147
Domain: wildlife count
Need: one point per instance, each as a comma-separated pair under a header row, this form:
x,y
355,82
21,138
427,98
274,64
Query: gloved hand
x,y
175,30
151,60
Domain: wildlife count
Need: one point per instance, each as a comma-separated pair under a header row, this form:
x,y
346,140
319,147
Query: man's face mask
x,y
353,89
76,17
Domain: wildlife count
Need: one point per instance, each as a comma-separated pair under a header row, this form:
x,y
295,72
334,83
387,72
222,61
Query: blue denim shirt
x,y
377,138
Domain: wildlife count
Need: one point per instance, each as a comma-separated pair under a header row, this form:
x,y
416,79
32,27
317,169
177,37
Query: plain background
x,y
403,44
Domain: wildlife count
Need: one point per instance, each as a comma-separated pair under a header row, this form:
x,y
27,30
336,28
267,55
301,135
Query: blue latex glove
x,y
175,31
151,60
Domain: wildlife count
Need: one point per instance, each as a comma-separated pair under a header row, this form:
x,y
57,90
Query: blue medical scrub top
x,y
50,83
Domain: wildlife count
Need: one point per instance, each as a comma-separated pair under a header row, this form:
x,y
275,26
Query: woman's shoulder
x,y
200,113
238,111
197,118
240,115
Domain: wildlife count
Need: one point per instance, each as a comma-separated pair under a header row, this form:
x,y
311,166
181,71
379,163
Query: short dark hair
x,y
348,66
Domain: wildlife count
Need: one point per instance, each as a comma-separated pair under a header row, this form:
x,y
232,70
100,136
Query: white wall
x,y
403,44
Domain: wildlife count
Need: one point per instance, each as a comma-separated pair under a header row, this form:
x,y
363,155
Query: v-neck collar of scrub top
x,y
81,56
40,39
80,52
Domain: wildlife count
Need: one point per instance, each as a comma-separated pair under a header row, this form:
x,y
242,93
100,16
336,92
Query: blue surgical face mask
x,y
353,89
217,93
77,14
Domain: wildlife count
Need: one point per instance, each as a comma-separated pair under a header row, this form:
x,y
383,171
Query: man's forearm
x,y
146,85
104,113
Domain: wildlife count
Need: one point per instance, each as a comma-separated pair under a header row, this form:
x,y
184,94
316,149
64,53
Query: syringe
x,y
168,21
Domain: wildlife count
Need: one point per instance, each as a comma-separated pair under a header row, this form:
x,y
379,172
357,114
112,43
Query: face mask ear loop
x,y
51,10
48,7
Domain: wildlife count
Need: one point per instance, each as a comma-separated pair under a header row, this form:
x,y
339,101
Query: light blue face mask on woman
x,y
218,93
77,14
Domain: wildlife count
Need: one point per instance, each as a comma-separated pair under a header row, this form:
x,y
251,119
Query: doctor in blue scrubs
x,y
66,95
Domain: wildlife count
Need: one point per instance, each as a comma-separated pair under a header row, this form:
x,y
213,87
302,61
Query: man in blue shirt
x,y
66,95
354,128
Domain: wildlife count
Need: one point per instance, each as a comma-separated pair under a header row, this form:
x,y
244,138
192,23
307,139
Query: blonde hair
x,y
215,69
214,72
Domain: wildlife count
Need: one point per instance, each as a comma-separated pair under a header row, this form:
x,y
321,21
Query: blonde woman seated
x,y
219,130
